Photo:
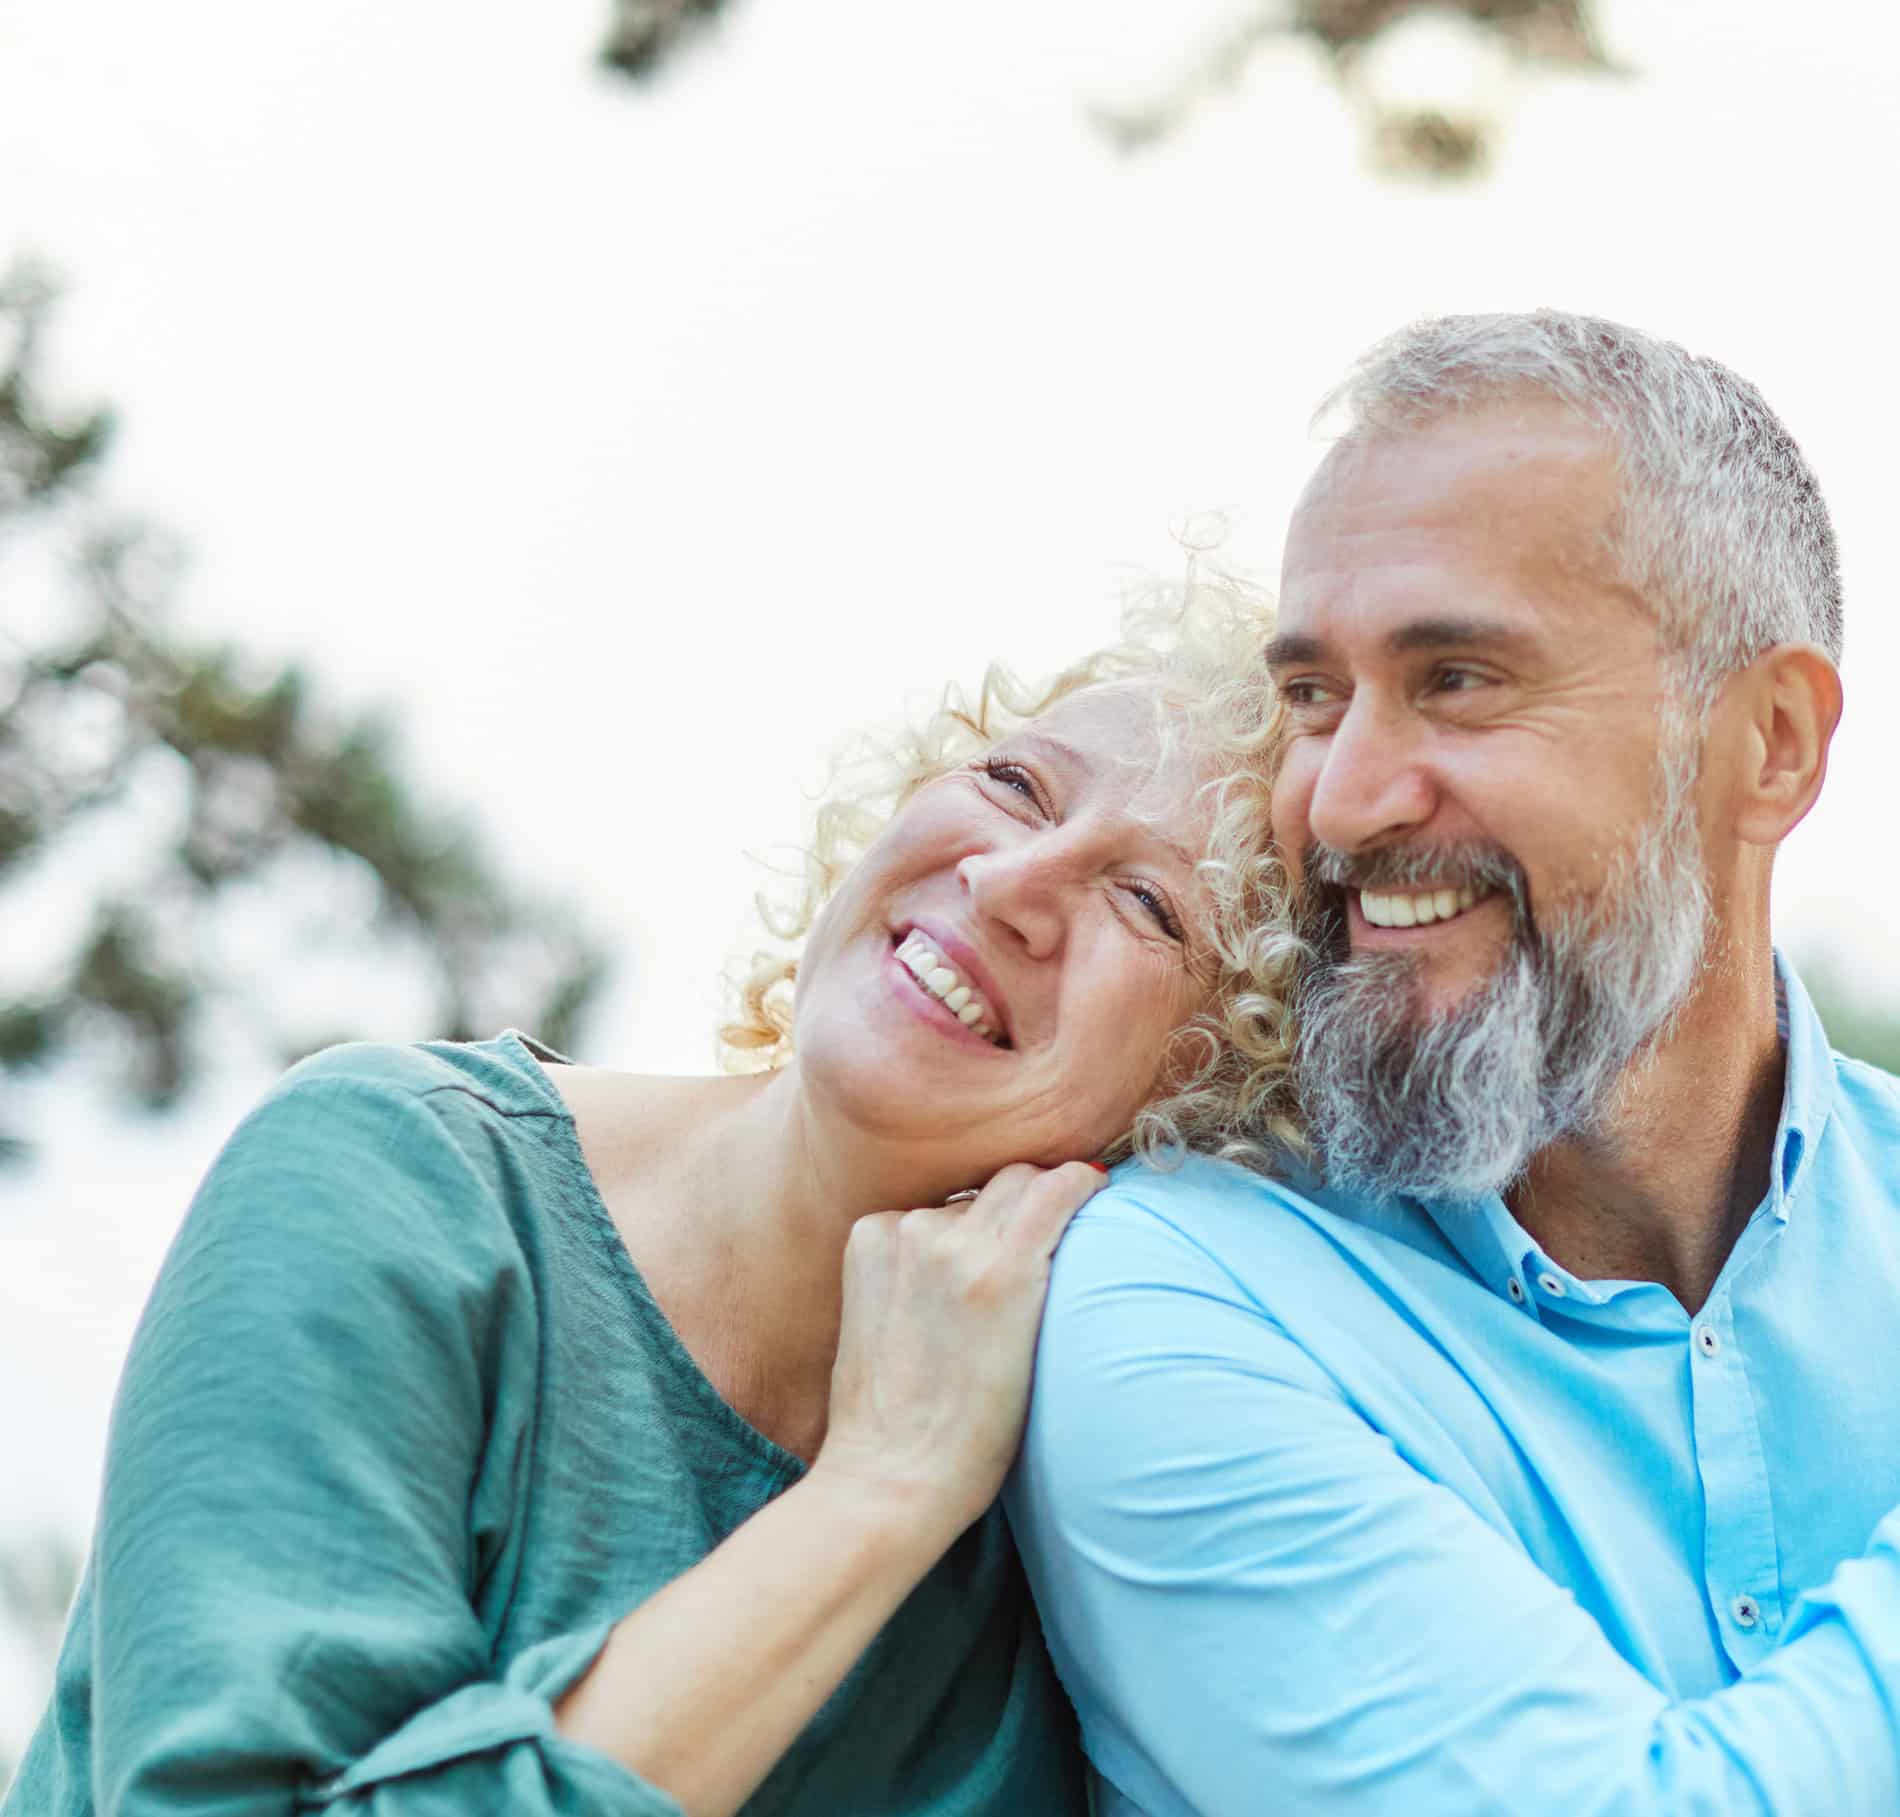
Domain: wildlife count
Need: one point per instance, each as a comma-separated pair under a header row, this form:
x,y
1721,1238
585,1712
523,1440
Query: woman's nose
x,y
1371,784
1018,887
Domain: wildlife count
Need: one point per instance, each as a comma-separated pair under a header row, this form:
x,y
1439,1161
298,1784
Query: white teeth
x,y
1419,910
944,982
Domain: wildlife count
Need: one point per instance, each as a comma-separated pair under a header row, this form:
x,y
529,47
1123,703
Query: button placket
x,y
1738,1535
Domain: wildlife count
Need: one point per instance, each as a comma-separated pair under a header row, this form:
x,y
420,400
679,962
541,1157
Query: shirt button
x,y
1551,1285
1746,1610
1515,1288
1706,1341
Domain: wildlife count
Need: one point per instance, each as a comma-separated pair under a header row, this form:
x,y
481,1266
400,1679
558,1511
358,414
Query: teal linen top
x,y
401,1436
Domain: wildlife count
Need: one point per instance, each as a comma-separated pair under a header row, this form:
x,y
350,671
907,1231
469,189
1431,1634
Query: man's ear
x,y
1793,702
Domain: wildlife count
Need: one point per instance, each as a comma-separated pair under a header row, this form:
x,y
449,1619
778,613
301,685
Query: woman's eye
x,y
1011,776
1157,909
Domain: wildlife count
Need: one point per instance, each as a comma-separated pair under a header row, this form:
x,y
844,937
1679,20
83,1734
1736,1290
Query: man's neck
x,y
1663,1189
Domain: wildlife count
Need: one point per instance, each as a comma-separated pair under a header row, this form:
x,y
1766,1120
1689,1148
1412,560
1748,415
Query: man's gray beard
x,y
1453,1106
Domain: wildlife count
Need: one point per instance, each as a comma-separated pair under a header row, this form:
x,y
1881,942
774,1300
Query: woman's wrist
x,y
702,1687
907,1523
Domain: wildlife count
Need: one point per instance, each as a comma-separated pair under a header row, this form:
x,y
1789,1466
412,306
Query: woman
x,y
504,1435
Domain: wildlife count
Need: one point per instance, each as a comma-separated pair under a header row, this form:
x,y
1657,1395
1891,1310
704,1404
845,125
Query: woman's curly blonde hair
x,y
1225,1084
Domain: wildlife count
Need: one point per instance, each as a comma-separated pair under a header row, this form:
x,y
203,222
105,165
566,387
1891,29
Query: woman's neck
x,y
735,1201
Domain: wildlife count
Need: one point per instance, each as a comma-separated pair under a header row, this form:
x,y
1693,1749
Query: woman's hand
x,y
941,1310
704,1686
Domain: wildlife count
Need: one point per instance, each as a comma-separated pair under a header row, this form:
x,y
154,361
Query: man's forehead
x,y
1528,440
1505,500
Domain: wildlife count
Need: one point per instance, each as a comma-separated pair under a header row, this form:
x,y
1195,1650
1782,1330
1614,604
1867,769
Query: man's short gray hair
x,y
1721,526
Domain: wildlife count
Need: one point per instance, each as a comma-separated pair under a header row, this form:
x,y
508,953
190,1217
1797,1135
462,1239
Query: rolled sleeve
x,y
495,1745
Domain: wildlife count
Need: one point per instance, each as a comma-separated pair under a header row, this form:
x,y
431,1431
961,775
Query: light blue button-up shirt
x,y
1339,1506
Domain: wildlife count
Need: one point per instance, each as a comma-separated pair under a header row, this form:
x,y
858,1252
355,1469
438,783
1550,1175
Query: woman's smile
x,y
924,1002
950,981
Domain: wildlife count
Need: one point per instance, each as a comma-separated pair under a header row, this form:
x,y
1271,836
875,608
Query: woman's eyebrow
x,y
1059,748
1189,862
1075,759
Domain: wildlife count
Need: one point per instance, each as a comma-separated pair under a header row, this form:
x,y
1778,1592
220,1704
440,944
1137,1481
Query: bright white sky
x,y
636,445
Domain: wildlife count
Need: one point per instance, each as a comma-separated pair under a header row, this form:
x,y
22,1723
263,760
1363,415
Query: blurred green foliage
x,y
1866,1028
642,36
1448,137
1560,30
38,1576
268,771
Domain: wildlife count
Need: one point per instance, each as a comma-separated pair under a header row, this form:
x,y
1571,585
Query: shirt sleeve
x,y
281,1608
1257,1603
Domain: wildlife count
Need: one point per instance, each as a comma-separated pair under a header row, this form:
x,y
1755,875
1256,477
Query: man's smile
x,y
1416,908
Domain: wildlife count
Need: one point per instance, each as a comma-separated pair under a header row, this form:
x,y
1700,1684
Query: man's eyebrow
x,y
1464,633
1291,647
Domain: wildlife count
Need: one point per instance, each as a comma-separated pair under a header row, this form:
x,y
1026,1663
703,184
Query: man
x,y
1535,1449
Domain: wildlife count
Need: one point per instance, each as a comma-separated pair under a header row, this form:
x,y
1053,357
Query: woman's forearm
x,y
704,1686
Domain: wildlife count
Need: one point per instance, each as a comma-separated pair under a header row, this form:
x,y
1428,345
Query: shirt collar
x,y
1500,1251
1807,1099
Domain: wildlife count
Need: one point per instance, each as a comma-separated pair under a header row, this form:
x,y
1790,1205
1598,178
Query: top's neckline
x,y
533,1057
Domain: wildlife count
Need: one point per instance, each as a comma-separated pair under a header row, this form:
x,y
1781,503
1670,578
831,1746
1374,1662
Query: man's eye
x,y
1456,681
1306,692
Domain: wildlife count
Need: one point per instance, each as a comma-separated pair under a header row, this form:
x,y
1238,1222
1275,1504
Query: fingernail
x,y
1099,1166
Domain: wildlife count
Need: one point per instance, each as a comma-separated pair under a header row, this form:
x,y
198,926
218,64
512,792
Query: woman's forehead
x,y
1119,737
1106,720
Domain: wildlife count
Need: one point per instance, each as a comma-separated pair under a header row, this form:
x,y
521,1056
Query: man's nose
x,y
1373,783
1019,887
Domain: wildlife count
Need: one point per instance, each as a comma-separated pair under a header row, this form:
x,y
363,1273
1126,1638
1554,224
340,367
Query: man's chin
x,y
1433,1002
1421,1085
1413,993
1436,983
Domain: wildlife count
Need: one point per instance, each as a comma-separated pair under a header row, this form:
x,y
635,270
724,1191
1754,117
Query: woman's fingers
x,y
941,1307
1038,1202
1059,1195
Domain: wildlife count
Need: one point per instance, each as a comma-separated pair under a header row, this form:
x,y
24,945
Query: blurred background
x,y
461,472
